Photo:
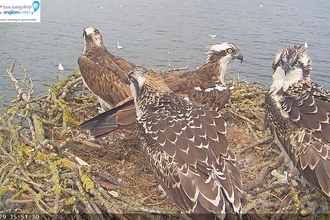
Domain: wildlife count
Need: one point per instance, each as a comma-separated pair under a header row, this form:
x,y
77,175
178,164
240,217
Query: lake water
x,y
148,30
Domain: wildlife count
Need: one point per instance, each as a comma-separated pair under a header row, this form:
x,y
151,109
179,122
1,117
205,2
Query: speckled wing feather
x,y
200,87
204,86
181,83
187,148
305,133
105,75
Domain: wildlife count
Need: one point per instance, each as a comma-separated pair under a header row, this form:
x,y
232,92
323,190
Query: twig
x,y
96,208
90,144
252,131
242,117
254,144
75,159
23,138
29,181
261,178
56,204
88,206
255,115
109,207
3,173
13,80
177,69
69,84
106,177
283,204
19,201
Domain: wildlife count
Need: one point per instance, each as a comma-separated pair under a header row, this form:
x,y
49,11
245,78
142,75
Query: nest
x,y
49,167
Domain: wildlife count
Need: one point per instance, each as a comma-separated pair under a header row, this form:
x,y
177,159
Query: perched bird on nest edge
x,y
185,145
297,114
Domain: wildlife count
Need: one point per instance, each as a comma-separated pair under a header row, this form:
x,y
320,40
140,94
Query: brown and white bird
x,y
205,86
297,114
102,72
185,145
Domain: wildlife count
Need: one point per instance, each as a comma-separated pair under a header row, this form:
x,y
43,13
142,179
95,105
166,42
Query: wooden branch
x,y
254,144
261,177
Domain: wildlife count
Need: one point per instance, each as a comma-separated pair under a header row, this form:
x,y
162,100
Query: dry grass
x,y
49,166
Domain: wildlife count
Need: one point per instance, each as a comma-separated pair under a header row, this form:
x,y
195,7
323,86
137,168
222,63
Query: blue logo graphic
x,y
35,5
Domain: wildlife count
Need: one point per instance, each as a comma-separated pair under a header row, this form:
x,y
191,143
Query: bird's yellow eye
x,y
297,63
131,78
280,63
229,50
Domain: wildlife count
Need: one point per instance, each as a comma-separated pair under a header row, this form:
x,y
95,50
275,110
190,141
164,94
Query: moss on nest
x,y
51,167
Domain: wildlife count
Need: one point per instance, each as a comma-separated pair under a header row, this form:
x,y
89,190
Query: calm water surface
x,y
148,30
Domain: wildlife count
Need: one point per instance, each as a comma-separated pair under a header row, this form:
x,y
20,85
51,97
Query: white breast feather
x,y
291,78
278,81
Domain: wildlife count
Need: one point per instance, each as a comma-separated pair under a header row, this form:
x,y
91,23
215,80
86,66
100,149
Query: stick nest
x,y
49,166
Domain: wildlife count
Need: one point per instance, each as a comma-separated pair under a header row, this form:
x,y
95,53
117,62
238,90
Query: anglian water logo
x,y
35,5
20,11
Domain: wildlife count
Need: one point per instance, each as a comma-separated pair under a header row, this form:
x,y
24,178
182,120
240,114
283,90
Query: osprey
x,y
205,86
102,72
297,114
185,146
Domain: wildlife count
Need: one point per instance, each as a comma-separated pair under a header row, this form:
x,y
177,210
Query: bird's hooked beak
x,y
240,57
287,68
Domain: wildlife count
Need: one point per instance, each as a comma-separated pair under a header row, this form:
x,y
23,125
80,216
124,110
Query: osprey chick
x,y
297,114
185,145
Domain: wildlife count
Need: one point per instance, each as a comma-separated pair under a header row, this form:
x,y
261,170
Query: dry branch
x,y
46,168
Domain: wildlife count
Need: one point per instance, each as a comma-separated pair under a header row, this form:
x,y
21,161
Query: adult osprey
x,y
102,72
205,86
297,113
186,147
